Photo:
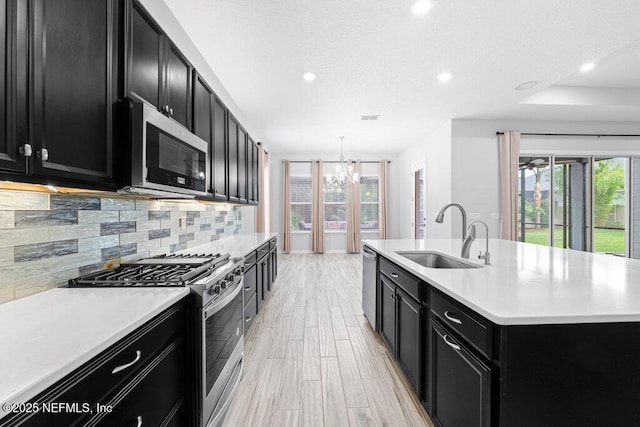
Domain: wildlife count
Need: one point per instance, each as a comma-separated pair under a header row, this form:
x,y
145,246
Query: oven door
x,y
222,346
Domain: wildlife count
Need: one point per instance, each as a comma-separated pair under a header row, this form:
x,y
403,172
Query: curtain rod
x,y
331,161
570,134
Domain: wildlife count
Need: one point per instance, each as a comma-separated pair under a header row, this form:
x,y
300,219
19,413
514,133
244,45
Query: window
x,y
369,203
301,191
335,207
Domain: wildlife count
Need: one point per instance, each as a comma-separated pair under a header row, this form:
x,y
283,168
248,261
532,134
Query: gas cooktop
x,y
163,270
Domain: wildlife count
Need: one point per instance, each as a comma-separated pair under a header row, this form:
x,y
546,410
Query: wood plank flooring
x,y
311,358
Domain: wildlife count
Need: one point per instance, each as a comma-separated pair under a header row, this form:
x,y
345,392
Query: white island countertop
x,y
530,284
46,336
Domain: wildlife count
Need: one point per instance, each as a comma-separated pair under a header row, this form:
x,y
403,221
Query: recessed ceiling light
x,y
309,76
445,77
421,7
526,85
587,67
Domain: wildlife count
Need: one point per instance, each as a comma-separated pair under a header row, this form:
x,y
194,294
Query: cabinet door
x,y
202,109
249,166
72,107
256,170
260,286
144,51
178,85
409,338
242,165
13,71
388,313
232,158
218,152
460,383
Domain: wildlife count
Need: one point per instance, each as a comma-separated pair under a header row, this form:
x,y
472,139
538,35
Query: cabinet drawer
x,y
273,243
250,283
250,312
463,321
250,260
405,280
154,397
263,250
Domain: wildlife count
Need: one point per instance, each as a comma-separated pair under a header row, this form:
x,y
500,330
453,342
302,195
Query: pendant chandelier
x,y
345,173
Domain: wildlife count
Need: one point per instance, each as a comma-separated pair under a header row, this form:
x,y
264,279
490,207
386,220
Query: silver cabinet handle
x,y
394,275
43,154
247,288
139,419
171,111
247,319
26,150
166,108
452,318
450,344
125,366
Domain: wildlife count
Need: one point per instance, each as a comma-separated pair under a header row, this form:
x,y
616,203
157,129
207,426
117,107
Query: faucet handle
x,y
486,257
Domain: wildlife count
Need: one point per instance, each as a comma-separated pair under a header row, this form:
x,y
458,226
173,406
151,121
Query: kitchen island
x,y
542,337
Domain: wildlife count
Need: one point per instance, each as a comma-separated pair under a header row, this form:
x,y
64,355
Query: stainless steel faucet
x,y
440,218
466,246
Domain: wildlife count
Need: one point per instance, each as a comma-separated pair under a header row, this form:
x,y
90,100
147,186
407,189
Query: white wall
x,y
334,242
436,149
475,168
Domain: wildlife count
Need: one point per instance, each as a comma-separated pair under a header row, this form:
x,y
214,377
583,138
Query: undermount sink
x,y
436,260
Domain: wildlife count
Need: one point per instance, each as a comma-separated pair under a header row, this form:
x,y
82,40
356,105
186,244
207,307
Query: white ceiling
x,y
376,57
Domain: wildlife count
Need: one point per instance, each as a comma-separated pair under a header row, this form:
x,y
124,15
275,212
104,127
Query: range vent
x,y
370,117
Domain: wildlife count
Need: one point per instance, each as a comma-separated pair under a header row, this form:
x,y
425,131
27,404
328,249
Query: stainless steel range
x,y
216,282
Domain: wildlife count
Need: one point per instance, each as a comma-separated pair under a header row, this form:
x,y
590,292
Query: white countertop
x,y
238,245
46,336
530,284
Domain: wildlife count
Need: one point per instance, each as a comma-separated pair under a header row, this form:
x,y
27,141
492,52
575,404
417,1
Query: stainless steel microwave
x,y
165,157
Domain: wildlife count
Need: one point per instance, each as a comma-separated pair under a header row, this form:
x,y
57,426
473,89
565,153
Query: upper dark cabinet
x,y
155,70
232,158
242,165
73,58
13,73
252,171
202,109
219,152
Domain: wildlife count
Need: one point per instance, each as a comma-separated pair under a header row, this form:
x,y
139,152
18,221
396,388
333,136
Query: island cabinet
x,y
140,380
155,70
57,126
460,373
401,320
259,267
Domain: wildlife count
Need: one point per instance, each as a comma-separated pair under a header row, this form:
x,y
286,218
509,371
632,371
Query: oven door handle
x,y
216,306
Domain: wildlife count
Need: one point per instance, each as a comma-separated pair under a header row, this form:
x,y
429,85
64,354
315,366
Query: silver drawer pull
x,y
139,419
125,366
450,344
247,288
247,319
452,318
394,275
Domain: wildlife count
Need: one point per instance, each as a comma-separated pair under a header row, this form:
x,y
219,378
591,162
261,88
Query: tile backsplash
x,y
47,239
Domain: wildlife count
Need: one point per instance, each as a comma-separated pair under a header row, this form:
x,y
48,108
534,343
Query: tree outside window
x,y
301,191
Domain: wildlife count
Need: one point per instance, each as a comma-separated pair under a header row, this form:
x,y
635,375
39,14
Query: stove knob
x,y
238,271
231,277
214,290
223,284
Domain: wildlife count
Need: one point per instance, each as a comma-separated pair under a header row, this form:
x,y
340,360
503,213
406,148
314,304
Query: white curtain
x,y
353,214
317,208
263,220
383,173
286,207
509,147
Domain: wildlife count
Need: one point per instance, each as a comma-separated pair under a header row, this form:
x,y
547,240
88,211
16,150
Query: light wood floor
x,y
311,358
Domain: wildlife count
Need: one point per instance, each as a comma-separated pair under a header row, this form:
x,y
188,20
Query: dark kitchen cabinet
x,y
155,71
252,171
242,165
72,126
273,259
13,87
460,382
141,375
219,153
202,109
401,321
232,158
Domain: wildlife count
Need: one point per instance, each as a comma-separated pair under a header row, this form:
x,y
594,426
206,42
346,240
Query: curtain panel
x,y
317,208
383,174
509,147
353,214
263,219
286,207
